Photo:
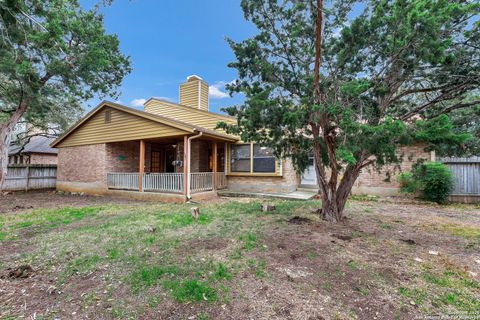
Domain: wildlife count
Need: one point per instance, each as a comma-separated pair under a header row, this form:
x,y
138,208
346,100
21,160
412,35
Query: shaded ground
x,y
102,258
18,201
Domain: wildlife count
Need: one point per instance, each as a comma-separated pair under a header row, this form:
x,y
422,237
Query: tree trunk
x,y
6,130
335,198
330,210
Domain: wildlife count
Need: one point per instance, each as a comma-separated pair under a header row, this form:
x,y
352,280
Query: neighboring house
x,y
36,151
169,151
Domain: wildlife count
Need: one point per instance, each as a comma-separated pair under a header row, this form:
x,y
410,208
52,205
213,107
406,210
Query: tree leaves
x,y
387,74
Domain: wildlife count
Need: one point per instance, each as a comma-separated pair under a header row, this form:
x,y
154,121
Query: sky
x,y
169,40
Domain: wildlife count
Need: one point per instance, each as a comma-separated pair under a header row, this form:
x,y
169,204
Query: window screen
x,y
263,159
240,158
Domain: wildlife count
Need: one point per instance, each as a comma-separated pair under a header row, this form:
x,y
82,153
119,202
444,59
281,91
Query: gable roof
x,y
199,117
37,144
183,126
190,109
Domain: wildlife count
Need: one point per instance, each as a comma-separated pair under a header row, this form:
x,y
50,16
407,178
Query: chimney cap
x,y
193,77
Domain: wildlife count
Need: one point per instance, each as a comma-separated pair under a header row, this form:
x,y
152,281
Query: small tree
x,y
350,91
53,55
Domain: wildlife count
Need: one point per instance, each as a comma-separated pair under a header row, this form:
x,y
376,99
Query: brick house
x,y
171,151
36,151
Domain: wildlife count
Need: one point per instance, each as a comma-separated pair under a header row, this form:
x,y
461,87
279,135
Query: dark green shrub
x,y
432,180
407,182
436,181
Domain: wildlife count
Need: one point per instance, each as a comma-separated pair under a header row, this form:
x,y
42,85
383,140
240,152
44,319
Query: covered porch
x,y
182,165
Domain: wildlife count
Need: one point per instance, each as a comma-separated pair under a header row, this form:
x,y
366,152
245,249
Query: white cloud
x,y
216,91
138,102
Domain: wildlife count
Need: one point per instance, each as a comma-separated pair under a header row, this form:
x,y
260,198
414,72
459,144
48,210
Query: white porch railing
x,y
166,182
122,180
163,182
201,181
221,180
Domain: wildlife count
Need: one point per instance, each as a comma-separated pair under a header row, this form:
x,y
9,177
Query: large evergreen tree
x,y
53,56
352,87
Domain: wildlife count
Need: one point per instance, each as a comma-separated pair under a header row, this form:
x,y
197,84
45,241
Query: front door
x,y
309,177
158,161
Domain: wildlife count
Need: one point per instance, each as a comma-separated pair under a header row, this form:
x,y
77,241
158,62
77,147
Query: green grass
x,y
148,276
462,231
444,285
312,255
222,272
42,219
385,226
259,267
191,290
416,295
250,240
354,265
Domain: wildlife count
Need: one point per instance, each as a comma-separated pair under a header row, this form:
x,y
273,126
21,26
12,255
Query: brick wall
x,y
199,156
82,163
41,158
288,182
122,156
179,157
370,177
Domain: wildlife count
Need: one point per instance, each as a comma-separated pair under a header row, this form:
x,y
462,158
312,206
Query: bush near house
x,y
432,180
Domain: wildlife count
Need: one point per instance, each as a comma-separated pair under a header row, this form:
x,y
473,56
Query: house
x,y
36,151
169,151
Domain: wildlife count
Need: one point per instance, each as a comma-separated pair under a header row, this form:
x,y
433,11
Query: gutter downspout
x,y
189,160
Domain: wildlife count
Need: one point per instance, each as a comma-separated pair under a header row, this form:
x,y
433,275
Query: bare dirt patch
x,y
20,201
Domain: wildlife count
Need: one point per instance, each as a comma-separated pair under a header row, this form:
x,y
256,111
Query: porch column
x,y
214,165
141,166
185,161
225,155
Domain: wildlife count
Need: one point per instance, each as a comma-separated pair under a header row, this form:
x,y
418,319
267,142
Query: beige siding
x,y
122,127
194,93
204,96
208,120
189,94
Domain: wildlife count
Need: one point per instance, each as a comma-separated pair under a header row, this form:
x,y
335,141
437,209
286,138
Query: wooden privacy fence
x,y
466,173
28,177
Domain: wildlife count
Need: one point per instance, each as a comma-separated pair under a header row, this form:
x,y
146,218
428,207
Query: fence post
x,y
27,173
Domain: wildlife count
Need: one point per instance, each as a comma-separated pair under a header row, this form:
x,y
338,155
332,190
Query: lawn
x,y
103,258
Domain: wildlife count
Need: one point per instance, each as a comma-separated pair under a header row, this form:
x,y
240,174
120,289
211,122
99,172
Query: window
x,y
240,158
261,161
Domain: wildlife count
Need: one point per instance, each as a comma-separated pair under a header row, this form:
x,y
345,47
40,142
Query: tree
x,y
53,55
351,82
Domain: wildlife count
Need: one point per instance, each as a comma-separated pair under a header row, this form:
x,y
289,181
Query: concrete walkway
x,y
296,195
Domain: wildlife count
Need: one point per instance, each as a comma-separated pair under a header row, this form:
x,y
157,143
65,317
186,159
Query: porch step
x,y
307,188
296,195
